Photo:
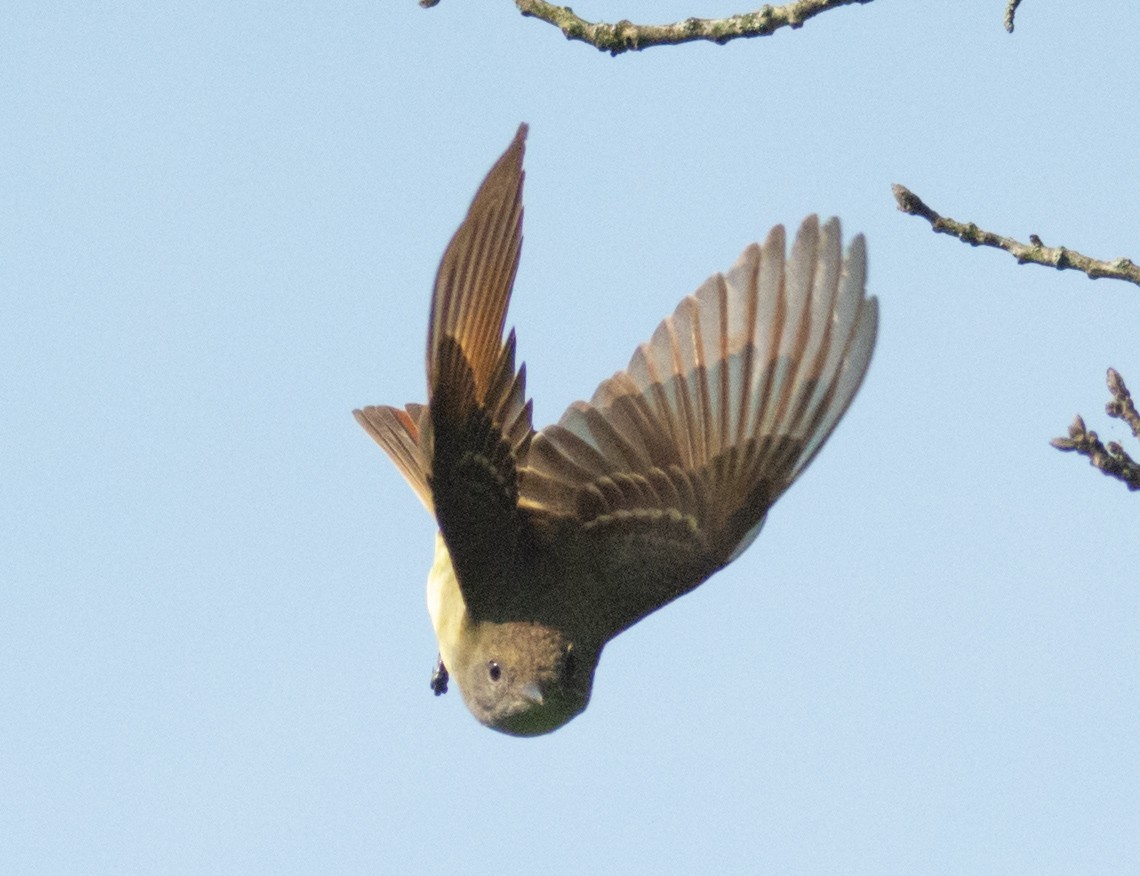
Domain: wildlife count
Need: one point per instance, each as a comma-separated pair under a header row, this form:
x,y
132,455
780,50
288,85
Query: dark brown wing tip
x,y
473,282
509,164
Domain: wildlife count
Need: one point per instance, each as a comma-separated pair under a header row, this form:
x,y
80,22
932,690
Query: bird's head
x,y
523,678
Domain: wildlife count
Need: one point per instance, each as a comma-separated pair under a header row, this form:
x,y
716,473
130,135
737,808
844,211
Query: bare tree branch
x,y
1010,11
1110,458
1035,251
625,36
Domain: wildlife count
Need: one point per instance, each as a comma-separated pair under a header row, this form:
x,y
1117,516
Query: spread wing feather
x,y
480,421
674,462
398,432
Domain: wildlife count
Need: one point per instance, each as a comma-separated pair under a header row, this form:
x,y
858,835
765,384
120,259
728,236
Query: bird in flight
x,y
551,542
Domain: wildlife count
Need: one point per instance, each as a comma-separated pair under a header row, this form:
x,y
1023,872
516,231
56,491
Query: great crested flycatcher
x,y
552,542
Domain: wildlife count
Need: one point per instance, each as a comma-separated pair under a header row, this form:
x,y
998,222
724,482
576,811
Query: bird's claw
x,y
439,677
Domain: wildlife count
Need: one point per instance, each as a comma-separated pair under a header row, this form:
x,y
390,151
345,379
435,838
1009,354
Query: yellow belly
x,y
445,604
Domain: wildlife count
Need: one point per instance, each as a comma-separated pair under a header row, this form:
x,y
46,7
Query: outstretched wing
x,y
479,420
460,452
670,469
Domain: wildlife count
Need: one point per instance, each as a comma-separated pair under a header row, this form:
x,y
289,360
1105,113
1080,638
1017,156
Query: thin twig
x,y
1122,407
1010,11
1110,458
625,36
1035,251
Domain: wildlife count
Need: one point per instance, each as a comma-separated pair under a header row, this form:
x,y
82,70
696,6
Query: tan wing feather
x,y
714,418
475,276
398,432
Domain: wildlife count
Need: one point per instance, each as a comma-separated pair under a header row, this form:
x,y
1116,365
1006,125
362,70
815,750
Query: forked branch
x,y
1110,458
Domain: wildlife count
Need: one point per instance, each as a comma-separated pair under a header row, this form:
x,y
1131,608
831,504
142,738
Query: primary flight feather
x,y
552,542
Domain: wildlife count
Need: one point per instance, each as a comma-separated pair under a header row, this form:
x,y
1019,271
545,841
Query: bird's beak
x,y
532,692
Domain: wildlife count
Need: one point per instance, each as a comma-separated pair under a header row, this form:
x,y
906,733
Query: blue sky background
x,y
219,225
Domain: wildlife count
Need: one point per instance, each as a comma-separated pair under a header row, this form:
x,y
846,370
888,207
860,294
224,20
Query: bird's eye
x,y
494,670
